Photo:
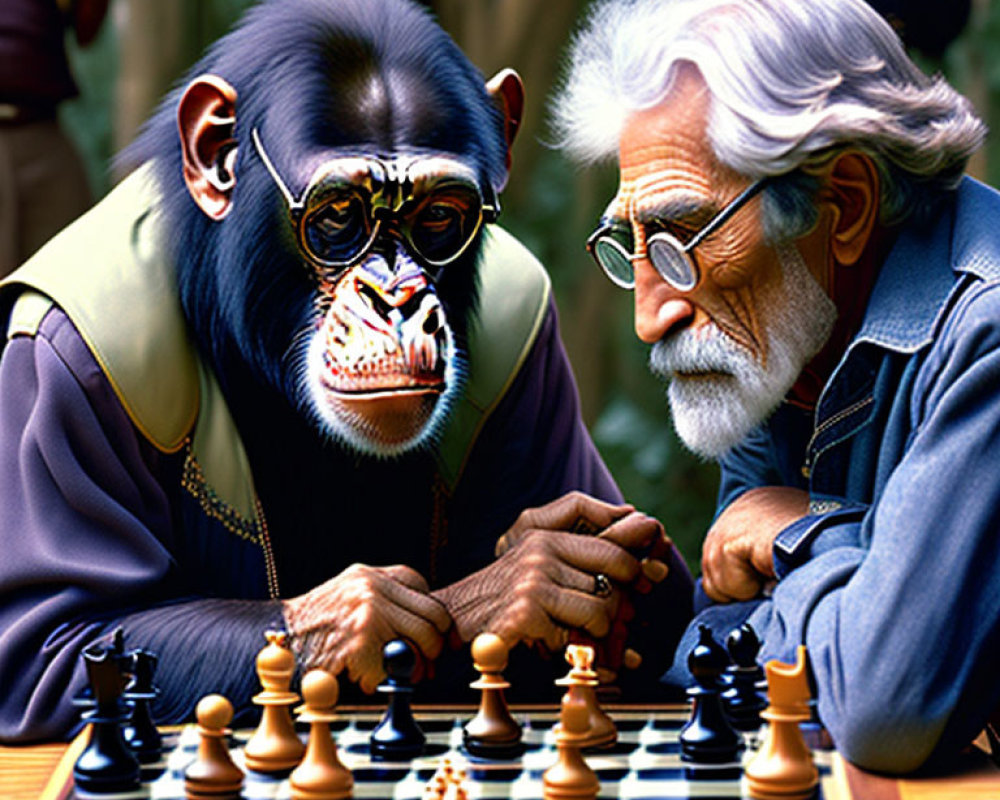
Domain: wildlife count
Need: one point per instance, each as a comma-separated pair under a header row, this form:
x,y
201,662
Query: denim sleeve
x,y
817,533
904,636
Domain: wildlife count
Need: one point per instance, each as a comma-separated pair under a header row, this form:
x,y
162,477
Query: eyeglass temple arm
x,y
491,204
293,204
723,216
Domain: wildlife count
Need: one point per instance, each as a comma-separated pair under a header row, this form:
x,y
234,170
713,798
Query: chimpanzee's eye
x,y
339,229
445,223
439,217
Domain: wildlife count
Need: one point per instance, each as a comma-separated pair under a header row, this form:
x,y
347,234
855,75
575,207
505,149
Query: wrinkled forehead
x,y
664,155
659,191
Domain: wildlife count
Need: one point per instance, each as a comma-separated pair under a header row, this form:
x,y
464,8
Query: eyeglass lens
x,y
442,224
615,260
672,262
339,229
437,227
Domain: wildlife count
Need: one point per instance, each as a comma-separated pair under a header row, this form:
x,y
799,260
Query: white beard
x,y
714,412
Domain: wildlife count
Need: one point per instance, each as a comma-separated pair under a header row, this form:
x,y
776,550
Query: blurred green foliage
x,y
87,118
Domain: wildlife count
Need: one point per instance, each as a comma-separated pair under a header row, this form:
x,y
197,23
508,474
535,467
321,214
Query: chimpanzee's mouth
x,y
437,387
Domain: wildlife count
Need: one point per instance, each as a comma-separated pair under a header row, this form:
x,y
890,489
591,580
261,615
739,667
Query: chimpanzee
x,y
289,373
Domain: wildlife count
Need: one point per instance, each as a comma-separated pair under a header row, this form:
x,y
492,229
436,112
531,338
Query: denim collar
x,y
917,278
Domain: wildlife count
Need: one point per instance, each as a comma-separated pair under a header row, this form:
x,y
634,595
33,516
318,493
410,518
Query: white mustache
x,y
705,350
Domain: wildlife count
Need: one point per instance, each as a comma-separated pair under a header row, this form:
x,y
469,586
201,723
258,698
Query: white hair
x,y
791,82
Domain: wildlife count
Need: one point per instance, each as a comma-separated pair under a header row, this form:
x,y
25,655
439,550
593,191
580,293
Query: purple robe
x,y
97,532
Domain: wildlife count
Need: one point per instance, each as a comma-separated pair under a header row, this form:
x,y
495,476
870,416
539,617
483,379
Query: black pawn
x,y
742,700
140,734
708,738
106,765
397,737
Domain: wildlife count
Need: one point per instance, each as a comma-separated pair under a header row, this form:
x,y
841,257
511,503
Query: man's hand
x,y
543,583
737,557
343,623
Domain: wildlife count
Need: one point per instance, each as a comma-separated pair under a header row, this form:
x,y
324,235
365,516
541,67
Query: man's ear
x,y
507,90
854,194
206,117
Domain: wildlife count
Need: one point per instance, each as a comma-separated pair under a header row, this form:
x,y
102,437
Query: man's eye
x,y
679,230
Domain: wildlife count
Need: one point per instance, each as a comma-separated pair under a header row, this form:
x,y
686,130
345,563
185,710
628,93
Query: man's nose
x,y
659,307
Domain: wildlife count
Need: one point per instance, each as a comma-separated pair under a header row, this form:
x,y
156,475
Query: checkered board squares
x,y
645,763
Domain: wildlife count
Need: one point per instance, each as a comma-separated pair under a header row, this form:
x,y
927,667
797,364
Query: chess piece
x,y
741,700
274,747
213,775
397,737
114,646
783,768
492,733
320,775
571,778
140,734
708,738
582,682
106,765
447,783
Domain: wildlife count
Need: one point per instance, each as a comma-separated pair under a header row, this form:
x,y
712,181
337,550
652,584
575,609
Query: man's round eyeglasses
x,y
613,247
432,203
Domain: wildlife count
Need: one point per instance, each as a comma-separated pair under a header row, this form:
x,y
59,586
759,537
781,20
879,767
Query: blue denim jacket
x,y
893,580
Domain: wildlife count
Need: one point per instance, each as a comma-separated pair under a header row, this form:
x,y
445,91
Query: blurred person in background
x,y
43,185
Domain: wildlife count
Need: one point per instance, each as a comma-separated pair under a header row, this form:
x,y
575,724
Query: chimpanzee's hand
x,y
543,584
343,623
737,558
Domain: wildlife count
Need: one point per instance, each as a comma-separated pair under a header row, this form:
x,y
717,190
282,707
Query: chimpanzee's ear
x,y
507,90
206,117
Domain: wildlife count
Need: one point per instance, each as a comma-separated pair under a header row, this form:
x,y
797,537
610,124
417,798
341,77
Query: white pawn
x,y
493,732
571,778
320,775
213,775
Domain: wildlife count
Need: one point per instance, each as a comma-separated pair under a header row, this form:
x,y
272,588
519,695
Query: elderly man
x,y
819,286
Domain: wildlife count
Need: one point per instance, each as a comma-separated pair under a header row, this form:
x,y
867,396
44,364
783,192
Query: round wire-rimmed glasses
x,y
348,202
613,248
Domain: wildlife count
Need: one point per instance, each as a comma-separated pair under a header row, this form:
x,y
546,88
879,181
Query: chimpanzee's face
x,y
375,234
335,256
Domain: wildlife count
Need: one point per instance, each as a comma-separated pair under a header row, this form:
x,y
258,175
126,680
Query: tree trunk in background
x,y
531,37
524,34
155,45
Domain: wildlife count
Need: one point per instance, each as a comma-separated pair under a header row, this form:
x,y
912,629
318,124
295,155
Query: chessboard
x,y
644,763
462,753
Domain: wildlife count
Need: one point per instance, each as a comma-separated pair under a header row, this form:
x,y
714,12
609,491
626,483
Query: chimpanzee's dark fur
x,y
359,76
364,76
